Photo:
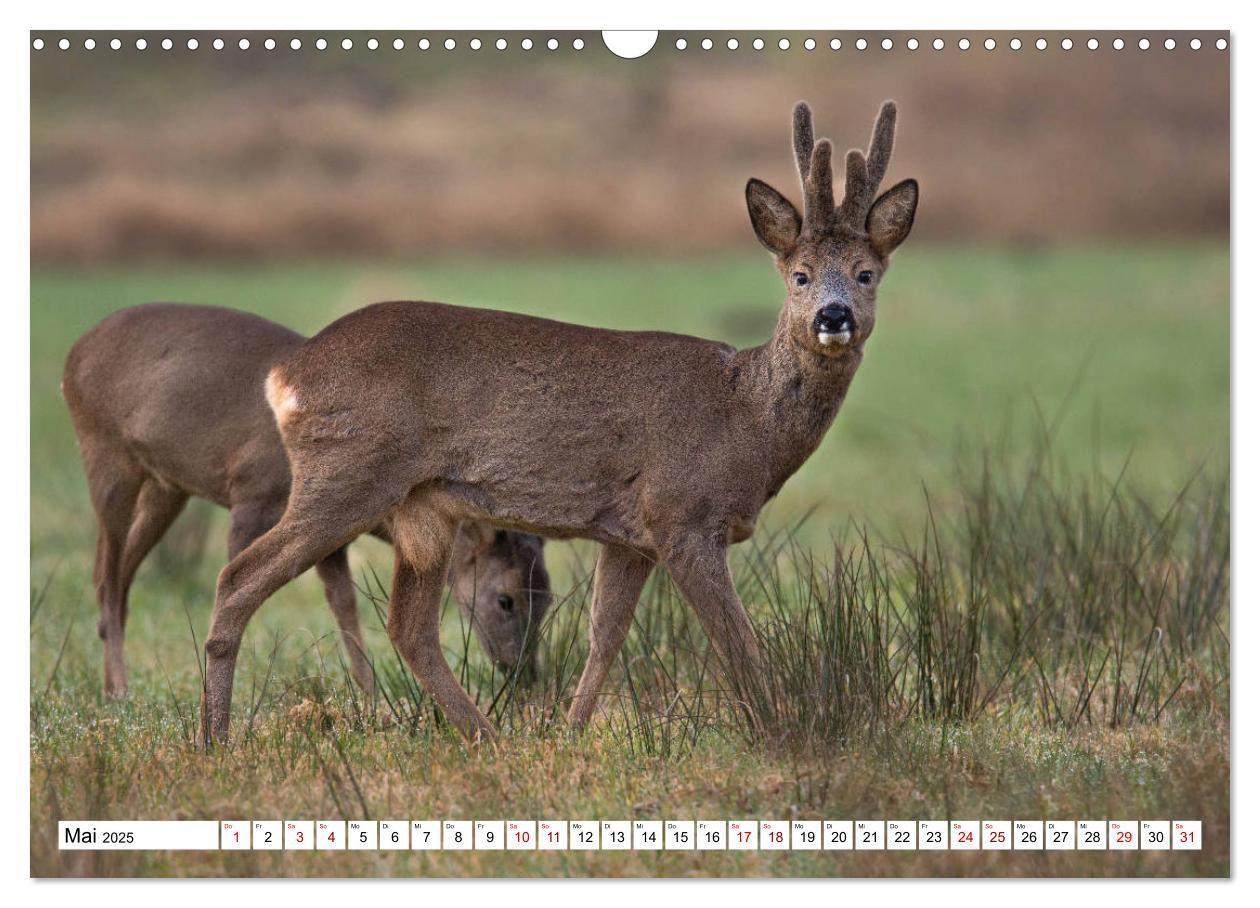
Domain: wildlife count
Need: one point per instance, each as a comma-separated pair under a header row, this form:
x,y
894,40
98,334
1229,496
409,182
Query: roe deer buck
x,y
662,447
167,402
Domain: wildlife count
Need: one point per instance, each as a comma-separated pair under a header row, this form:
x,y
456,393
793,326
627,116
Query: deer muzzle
x,y
834,324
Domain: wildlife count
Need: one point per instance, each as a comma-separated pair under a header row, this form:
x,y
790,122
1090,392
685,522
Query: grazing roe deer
x,y
661,447
167,402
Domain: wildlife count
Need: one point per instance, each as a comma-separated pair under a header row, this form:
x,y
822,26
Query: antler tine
x,y
802,139
852,211
820,203
881,146
813,163
863,174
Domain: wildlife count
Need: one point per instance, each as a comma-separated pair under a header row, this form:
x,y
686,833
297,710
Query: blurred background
x,y
264,155
1067,279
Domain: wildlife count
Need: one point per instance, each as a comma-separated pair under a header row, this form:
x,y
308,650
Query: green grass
x,y
1007,663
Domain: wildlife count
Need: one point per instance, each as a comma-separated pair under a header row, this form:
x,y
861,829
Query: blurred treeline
x,y
388,154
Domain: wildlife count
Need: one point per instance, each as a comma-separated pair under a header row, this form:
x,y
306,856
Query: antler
x,y
813,163
863,174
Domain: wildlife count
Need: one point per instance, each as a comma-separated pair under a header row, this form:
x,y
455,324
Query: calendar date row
x,y
636,835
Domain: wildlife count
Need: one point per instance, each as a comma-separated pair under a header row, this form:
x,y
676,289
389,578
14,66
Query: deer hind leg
x,y
422,550
156,509
114,481
701,572
620,574
334,571
251,517
314,525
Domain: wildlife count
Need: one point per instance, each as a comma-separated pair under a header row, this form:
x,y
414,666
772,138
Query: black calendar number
x,y
933,837
393,837
587,837
267,836
839,837
1093,836
1028,837
1060,836
901,838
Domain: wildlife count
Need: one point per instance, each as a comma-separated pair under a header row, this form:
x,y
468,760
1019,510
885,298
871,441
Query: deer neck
x,y
795,394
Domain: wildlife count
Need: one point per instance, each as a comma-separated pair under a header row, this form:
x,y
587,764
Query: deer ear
x,y
892,216
775,220
473,540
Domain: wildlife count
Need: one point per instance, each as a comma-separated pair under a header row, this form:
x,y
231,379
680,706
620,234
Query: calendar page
x,y
490,453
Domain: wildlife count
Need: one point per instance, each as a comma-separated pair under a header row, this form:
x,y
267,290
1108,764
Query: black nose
x,y
833,319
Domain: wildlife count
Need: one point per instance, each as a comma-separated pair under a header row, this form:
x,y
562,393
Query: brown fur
x,y
664,448
167,403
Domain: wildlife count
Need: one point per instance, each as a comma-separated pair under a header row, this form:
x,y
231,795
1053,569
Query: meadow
x,y
1000,589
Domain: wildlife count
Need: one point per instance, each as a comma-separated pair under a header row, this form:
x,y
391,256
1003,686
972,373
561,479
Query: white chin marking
x,y
840,338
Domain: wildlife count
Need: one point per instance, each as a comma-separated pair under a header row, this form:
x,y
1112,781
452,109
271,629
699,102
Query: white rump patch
x,y
281,398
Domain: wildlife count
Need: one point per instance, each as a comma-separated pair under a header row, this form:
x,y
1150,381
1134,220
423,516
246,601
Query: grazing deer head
x,y
501,584
833,257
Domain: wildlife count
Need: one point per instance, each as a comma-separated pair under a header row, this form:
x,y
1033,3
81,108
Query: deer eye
x,y
800,278
506,602
865,278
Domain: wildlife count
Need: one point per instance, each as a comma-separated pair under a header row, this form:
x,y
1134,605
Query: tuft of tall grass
x,y
1079,599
